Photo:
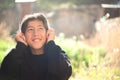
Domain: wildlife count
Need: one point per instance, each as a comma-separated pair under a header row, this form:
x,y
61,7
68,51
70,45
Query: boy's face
x,y
36,34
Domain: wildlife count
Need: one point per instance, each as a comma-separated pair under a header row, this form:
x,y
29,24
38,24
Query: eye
x,y
30,29
41,28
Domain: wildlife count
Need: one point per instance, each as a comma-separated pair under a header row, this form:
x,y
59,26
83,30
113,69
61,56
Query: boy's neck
x,y
37,51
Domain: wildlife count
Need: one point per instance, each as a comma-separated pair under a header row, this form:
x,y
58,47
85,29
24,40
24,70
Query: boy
x,y
36,56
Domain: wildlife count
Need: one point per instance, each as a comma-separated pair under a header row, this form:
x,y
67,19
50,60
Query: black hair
x,y
31,17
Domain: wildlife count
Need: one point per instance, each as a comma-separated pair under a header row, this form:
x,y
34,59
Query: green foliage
x,y
6,4
80,53
87,62
48,4
5,47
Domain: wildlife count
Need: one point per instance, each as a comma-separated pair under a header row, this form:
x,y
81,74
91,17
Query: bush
x,y
81,53
4,31
5,47
88,63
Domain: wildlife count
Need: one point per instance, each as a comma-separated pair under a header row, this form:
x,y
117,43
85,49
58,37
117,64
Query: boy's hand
x,y
20,38
50,34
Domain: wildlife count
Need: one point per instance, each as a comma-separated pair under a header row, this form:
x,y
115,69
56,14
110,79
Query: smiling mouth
x,y
36,40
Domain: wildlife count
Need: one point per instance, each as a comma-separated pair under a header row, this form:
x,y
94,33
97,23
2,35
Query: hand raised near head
x,y
50,34
20,38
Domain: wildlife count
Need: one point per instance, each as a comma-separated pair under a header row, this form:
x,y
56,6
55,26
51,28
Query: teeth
x,y
36,40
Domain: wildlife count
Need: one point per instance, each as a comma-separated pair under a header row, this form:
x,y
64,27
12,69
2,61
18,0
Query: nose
x,y
35,32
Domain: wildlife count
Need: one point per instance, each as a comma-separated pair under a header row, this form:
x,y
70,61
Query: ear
x,y
23,36
47,33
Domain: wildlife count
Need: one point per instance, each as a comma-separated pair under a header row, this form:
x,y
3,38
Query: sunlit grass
x,y
88,63
5,47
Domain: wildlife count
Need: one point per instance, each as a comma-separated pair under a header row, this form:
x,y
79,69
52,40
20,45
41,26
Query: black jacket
x,y
21,64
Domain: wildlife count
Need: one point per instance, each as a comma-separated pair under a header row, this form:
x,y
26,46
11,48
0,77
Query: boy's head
x,y
31,17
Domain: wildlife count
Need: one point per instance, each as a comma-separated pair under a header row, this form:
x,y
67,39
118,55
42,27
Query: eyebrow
x,y
37,26
29,26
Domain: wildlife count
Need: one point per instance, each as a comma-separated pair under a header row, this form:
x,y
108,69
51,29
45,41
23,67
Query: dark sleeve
x,y
59,67
11,63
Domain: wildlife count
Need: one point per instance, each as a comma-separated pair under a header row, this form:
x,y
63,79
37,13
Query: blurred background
x,y
88,30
